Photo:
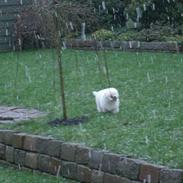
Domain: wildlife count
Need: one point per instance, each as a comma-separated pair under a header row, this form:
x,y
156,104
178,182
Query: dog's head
x,y
112,94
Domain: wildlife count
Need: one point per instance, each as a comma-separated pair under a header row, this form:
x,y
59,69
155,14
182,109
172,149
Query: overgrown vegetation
x,y
155,33
142,20
149,124
36,26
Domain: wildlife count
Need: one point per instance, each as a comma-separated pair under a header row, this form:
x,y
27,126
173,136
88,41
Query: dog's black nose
x,y
114,98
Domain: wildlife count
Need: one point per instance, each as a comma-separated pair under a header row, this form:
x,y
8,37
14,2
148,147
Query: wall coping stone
x,y
124,45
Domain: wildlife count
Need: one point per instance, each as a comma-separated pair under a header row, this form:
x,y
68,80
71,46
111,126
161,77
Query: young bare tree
x,y
55,22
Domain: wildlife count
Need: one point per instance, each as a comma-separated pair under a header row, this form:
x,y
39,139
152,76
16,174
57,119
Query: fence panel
x,y
9,9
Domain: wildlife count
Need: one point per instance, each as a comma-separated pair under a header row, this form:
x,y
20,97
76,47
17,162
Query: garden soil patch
x,y
74,121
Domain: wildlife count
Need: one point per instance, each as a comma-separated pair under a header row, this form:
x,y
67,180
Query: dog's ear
x,y
94,93
106,94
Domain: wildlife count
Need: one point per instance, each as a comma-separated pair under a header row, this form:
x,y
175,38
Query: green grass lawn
x,y
150,122
9,175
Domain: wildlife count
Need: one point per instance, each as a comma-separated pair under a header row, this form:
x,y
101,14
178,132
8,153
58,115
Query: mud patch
x,y
74,121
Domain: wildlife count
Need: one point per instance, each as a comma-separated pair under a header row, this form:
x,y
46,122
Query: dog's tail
x,y
94,93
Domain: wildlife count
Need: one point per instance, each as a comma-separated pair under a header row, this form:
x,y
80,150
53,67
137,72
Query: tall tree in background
x,y
166,12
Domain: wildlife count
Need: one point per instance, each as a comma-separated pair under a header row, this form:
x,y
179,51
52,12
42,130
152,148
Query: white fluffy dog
x,y
107,100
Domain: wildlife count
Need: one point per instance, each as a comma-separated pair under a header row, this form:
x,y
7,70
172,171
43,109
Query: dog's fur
x,y
107,100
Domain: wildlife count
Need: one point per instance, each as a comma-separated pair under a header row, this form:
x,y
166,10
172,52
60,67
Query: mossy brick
x,y
68,151
18,140
123,180
69,170
96,157
2,151
84,174
171,176
129,168
42,144
30,142
83,155
149,173
31,160
44,163
36,143
55,166
6,136
97,176
109,162
54,148
109,178
10,154
1,136
19,157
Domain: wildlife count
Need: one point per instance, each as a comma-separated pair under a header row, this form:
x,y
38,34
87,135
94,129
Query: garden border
x,y
78,162
125,45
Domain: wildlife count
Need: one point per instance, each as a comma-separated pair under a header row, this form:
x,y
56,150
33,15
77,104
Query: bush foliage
x,y
103,34
144,20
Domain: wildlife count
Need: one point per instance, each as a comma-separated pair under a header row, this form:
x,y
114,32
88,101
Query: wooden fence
x,y
9,10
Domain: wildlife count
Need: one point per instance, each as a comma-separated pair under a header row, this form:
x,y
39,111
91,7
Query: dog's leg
x,y
116,110
98,109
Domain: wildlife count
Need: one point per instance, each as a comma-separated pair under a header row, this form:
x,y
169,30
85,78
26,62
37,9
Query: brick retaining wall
x,y
125,45
78,162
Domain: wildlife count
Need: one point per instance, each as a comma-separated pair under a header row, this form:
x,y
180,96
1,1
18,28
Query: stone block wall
x,y
125,45
78,162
